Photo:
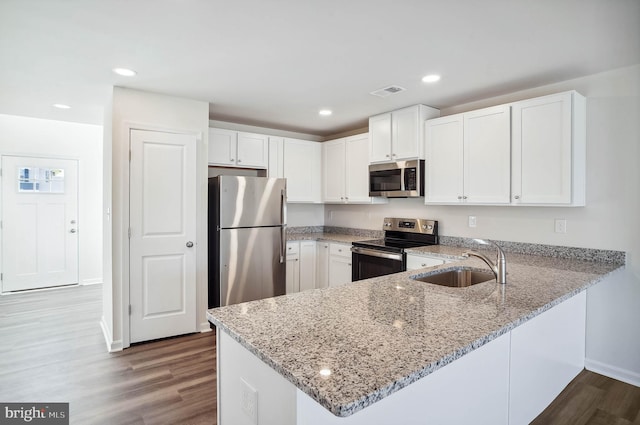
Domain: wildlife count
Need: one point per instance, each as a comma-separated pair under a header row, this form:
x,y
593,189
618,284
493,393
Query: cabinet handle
x,y
349,264
231,159
239,160
423,265
459,197
387,155
393,154
517,196
464,197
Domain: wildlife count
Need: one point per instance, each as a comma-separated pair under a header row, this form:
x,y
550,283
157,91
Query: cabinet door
x,y
302,170
293,268
307,265
357,169
222,146
542,151
444,160
253,150
405,134
339,270
333,176
487,156
380,138
276,157
322,265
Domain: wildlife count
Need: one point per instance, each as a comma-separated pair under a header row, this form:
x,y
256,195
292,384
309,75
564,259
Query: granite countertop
x,y
382,334
328,237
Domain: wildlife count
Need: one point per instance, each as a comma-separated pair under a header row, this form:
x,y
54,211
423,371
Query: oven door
x,y
369,263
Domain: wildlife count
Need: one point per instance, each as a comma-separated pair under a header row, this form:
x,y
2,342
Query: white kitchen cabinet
x,y
307,265
293,267
230,148
339,264
322,264
345,171
302,169
276,157
415,262
469,157
399,135
301,266
549,150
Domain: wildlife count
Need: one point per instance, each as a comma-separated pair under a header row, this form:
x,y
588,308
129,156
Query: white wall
x,y
137,109
39,137
609,221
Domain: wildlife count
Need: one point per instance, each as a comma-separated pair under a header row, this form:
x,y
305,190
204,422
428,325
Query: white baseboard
x,y
111,344
205,327
613,372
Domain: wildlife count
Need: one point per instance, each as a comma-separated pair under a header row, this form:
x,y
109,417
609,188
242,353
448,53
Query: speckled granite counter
x,y
329,234
379,335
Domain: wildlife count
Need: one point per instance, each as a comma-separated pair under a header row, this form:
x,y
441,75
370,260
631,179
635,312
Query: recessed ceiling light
x,y
124,72
61,106
432,78
325,112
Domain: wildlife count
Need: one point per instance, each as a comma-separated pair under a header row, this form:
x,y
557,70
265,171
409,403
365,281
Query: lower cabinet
x,y
339,264
301,266
322,264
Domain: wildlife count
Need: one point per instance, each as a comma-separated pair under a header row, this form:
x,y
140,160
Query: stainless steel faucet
x,y
499,268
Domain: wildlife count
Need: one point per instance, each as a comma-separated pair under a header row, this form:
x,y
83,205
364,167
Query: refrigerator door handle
x,y
283,227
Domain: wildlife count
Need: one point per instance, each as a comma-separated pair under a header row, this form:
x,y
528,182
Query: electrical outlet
x,y
561,225
249,401
472,221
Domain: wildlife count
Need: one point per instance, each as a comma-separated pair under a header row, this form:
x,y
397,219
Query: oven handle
x,y
374,253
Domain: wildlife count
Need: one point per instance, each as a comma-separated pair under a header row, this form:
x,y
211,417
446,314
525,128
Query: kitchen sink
x,y
460,277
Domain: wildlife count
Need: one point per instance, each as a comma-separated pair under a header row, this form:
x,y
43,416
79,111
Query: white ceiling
x,y
275,63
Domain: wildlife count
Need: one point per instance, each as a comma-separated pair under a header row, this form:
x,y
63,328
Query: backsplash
x,y
572,253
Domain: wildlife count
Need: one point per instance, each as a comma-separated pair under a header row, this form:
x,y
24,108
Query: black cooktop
x,y
392,244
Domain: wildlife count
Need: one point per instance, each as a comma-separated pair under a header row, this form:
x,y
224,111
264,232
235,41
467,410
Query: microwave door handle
x,y
402,177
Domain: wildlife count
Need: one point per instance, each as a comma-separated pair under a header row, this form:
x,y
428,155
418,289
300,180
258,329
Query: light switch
x,y
561,225
249,401
472,221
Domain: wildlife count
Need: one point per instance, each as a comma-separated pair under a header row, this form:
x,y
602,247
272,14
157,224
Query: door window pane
x,y
40,180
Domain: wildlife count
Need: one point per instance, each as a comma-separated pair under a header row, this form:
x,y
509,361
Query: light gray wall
x,y
60,139
609,221
137,109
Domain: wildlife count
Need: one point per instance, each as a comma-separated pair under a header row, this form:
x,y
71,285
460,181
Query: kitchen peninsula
x,y
393,349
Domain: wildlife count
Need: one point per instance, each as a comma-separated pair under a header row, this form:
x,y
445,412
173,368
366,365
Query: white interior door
x,y
162,219
39,222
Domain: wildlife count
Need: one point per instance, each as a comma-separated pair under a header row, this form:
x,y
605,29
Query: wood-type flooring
x,y
52,350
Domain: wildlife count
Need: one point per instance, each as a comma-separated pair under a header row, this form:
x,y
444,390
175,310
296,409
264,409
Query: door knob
x,y
72,231
189,244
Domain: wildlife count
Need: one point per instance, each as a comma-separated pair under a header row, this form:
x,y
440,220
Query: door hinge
x,y
1,276
129,232
129,155
129,309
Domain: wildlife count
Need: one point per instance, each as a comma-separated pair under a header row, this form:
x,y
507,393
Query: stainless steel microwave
x,y
401,179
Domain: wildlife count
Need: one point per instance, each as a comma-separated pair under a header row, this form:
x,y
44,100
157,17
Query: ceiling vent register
x,y
387,91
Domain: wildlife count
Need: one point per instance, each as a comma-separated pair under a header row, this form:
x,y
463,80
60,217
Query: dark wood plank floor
x,y
52,349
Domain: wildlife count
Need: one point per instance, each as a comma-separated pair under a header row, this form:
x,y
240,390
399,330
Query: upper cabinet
x,y
468,157
302,169
398,135
531,152
345,170
230,148
549,150
276,157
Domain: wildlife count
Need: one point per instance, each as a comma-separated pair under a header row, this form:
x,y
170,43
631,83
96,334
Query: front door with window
x,y
39,222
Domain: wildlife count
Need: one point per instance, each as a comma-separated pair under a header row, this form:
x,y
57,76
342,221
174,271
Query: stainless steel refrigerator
x,y
247,239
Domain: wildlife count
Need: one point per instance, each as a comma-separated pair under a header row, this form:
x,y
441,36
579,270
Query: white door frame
x,y
201,229
31,155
